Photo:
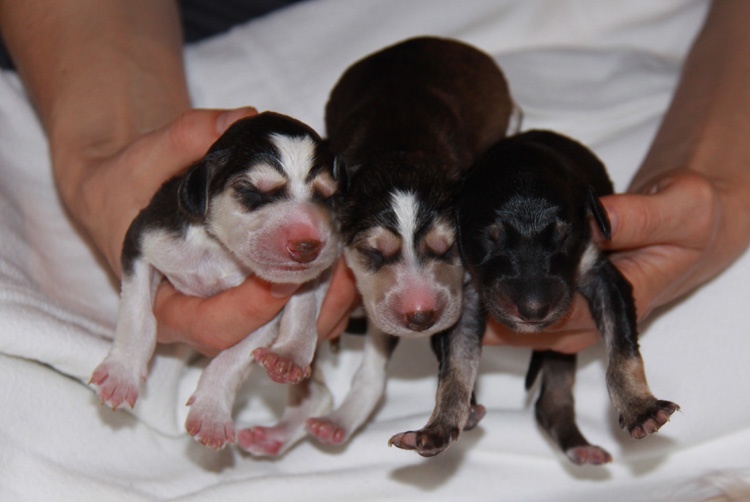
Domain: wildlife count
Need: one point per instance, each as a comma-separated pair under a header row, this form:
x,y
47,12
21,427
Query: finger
x,y
340,299
220,321
189,137
339,329
677,211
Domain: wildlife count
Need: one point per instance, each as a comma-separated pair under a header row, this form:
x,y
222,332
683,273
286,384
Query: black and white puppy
x,y
259,202
525,235
407,122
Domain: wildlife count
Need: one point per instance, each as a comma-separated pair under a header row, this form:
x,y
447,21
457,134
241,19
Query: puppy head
x,y
265,190
400,244
524,224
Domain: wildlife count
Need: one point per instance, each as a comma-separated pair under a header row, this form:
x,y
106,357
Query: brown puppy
x,y
406,123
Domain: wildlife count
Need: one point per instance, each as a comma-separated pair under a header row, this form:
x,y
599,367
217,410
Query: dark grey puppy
x,y
524,220
406,123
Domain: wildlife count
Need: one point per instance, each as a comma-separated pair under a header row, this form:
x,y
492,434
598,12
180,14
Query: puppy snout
x,y
420,320
533,310
304,251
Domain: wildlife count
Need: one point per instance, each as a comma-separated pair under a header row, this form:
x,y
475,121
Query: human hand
x,y
210,325
104,186
679,232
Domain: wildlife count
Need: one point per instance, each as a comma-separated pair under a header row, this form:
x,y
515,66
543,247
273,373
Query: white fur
x,y
413,282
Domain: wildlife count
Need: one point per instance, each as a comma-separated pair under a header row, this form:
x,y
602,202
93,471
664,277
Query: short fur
x,y
259,202
406,123
524,217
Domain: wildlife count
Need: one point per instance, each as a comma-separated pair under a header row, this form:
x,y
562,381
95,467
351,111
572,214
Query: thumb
x,y
667,215
187,138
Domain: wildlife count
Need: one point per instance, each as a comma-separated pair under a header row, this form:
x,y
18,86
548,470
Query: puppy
x,y
259,202
524,216
406,123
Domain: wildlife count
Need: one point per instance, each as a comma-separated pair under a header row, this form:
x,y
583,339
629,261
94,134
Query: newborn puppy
x,y
524,218
407,122
259,202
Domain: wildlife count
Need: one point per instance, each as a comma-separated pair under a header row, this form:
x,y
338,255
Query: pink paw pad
x,y
591,455
262,441
212,434
280,369
115,387
326,431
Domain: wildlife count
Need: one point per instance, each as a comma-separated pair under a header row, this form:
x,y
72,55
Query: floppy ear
x,y
599,213
193,190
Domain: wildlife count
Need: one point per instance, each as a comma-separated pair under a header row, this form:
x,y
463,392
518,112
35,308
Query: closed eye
x,y
251,198
375,259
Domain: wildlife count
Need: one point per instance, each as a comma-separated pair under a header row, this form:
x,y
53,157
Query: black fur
x,y
524,217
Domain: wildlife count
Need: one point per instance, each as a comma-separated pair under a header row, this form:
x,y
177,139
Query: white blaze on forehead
x,y
296,155
406,209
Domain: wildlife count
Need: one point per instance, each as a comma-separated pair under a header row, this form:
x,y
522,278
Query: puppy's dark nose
x,y
533,311
420,320
304,251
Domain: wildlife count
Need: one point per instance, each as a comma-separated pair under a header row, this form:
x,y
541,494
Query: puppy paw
x,y
648,419
280,368
428,442
326,431
116,383
476,414
588,455
263,441
209,425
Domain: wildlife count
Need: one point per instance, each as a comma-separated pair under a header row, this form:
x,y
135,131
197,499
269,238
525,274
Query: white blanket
x,y
602,72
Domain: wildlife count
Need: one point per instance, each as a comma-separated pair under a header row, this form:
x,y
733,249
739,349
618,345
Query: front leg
x,y
458,350
288,360
119,375
610,298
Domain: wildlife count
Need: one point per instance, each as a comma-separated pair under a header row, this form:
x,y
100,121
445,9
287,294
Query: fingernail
x,y
283,290
226,119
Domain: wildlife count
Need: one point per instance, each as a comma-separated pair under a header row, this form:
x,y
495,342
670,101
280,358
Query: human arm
x,y
686,216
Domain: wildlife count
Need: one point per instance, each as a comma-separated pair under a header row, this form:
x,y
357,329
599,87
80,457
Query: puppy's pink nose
x,y
420,320
304,251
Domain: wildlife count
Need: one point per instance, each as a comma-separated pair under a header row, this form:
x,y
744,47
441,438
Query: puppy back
x,y
428,90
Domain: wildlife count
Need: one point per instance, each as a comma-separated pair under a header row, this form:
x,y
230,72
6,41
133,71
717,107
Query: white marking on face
x,y
406,209
416,281
296,155
260,239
